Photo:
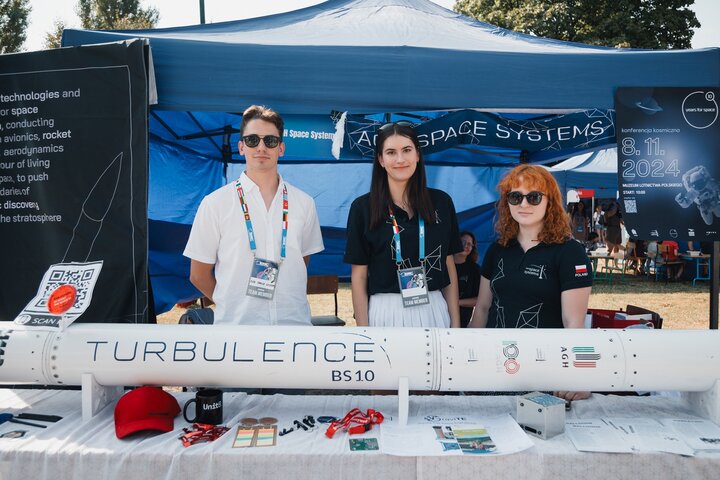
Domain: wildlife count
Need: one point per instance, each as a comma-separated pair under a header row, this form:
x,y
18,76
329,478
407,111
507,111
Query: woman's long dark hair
x,y
417,192
474,255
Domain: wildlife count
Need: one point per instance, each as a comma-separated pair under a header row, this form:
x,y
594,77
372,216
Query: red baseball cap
x,y
145,408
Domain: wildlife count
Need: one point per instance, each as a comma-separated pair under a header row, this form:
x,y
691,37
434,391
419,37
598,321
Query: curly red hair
x,y
556,224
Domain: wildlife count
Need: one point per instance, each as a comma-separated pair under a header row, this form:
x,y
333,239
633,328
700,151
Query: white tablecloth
x,y
71,449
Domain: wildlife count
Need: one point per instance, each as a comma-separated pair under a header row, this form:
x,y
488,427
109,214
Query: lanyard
x,y
364,422
396,238
248,222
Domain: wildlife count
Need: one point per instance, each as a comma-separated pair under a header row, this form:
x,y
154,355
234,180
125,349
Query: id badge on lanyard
x,y
264,273
263,278
413,286
412,281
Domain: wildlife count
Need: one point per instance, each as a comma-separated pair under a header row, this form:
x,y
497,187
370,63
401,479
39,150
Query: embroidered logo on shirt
x,y
536,271
581,270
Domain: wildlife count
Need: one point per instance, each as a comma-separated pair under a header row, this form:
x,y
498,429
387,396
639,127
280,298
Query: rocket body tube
x,y
362,358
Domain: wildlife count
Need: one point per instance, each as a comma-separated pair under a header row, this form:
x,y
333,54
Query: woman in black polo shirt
x,y
401,238
535,275
468,272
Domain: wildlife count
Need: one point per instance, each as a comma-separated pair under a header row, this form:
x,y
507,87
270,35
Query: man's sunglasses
x,y
516,198
270,141
401,123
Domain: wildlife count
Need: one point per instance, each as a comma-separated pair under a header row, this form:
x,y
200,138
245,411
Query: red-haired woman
x,y
535,275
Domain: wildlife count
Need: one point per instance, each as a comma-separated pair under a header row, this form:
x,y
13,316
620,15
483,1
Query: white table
x,y
71,449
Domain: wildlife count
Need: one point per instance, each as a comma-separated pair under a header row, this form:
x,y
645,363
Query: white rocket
x,y
363,358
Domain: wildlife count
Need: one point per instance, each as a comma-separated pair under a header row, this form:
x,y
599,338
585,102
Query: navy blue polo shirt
x,y
376,249
526,286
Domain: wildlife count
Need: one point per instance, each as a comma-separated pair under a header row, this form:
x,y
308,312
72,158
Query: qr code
x,y
630,206
79,277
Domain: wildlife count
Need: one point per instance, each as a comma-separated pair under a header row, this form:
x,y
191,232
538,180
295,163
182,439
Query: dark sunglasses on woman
x,y
270,141
401,123
516,198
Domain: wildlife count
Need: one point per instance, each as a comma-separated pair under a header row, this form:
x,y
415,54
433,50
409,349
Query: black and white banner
x,y
578,130
73,174
668,145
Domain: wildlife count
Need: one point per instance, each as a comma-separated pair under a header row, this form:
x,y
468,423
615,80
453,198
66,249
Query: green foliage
x,y
13,23
54,37
115,15
106,15
653,24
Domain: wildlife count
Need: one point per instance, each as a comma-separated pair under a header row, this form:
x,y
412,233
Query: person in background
x,y
535,275
613,225
671,255
635,254
578,221
468,272
401,238
251,240
599,223
651,251
593,242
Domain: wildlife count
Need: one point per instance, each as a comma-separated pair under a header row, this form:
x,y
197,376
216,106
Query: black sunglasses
x,y
270,141
401,123
516,198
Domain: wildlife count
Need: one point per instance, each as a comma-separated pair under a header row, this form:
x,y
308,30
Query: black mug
x,y
208,407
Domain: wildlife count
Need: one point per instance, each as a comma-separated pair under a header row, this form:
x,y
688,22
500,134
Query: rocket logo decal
x,y
585,357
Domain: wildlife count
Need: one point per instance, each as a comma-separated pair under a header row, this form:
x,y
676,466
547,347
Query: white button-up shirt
x,y
219,236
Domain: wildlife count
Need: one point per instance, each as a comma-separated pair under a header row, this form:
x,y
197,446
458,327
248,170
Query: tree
x,y
53,38
654,24
116,14
13,23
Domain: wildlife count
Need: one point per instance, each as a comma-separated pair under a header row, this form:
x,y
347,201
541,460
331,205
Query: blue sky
x,y
185,12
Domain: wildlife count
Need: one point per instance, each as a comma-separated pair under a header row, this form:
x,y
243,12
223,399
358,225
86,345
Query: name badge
x,y
263,279
413,286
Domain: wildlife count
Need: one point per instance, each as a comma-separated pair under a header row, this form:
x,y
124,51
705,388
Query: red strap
x,y
363,421
202,433
359,429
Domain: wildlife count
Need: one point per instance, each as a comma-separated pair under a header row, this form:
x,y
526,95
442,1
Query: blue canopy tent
x,y
595,171
364,57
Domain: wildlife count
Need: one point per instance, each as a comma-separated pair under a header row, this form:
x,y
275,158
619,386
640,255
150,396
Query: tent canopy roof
x,y
596,170
370,23
368,56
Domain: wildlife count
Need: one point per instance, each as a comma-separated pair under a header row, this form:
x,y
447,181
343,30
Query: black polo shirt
x,y
526,286
468,274
376,249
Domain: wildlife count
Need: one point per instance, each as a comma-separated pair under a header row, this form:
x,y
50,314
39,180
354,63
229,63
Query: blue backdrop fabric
x,y
365,57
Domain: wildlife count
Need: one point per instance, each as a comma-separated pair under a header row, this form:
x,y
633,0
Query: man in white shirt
x,y
252,239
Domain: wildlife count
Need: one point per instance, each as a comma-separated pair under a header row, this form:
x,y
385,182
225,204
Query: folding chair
x,y
325,284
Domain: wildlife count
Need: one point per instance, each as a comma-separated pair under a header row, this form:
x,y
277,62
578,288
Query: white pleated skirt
x,y
386,310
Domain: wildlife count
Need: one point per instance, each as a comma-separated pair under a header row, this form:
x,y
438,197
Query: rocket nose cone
x,y
98,201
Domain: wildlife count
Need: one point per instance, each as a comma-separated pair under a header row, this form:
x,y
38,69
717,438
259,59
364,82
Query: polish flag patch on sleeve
x,y
581,269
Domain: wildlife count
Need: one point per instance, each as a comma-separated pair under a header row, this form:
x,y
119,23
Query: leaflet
x,y
698,433
595,435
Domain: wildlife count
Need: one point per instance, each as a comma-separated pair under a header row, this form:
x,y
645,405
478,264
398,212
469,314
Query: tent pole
x,y
715,266
202,12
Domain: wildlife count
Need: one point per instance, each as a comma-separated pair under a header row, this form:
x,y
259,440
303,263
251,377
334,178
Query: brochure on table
x,y
626,435
499,435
